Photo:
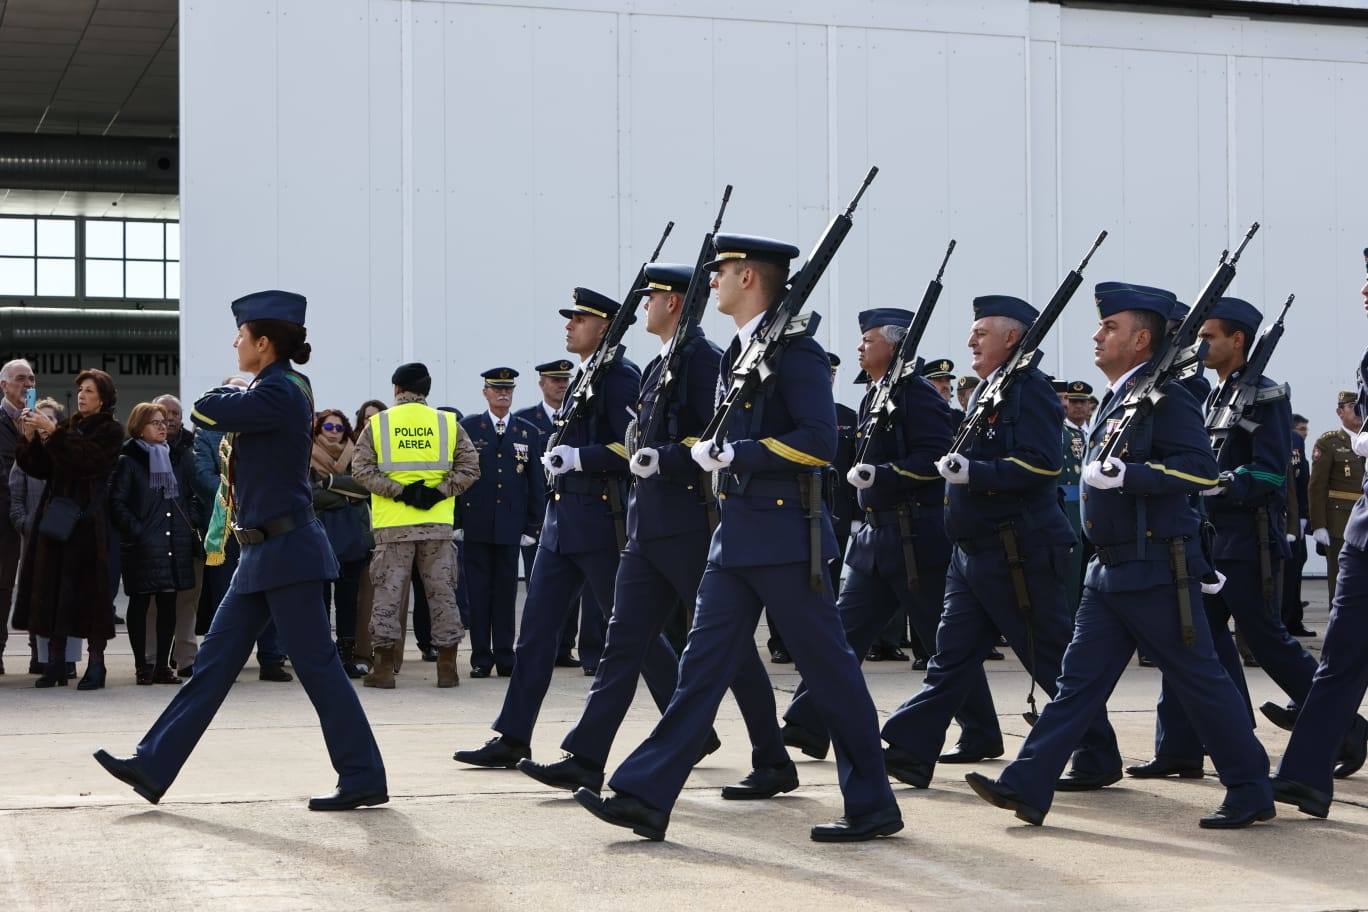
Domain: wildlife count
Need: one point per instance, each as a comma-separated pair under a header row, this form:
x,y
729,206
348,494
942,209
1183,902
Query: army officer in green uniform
x,y
1336,483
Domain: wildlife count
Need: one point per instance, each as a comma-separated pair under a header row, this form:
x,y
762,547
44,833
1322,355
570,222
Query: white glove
x,y
861,476
526,540
1359,442
561,459
1303,526
645,463
1095,477
1321,537
1291,538
1213,492
458,534
702,454
1213,588
957,475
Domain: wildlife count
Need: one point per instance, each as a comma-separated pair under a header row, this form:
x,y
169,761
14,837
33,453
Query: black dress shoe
x,y
1301,630
126,771
625,811
1158,768
1226,817
590,670
1145,662
1074,781
479,672
1354,750
506,671
341,800
429,653
907,769
860,828
875,653
54,675
763,782
1249,662
275,672
1281,716
810,743
35,666
564,660
1308,800
187,672
567,773
496,754
780,657
919,664
894,654
999,795
963,754
995,656
94,677
709,746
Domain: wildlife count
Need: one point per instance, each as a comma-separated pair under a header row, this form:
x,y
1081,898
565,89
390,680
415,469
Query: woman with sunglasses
x,y
154,508
343,507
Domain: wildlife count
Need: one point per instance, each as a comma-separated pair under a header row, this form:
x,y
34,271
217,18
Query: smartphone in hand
x,y
30,398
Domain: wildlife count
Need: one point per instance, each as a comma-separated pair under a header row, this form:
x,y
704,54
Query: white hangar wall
x,y
436,176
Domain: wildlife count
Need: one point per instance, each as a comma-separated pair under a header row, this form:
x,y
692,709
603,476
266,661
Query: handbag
x,y
347,533
60,519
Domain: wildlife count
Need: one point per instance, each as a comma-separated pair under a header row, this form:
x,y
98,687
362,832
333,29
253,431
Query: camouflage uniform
x,y
1336,484
427,545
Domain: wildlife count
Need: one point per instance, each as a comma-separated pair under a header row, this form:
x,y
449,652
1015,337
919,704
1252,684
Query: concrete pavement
x,y
233,832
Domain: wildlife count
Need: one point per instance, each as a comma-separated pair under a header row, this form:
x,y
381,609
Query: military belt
x,y
274,527
1346,495
595,485
784,487
1125,552
900,519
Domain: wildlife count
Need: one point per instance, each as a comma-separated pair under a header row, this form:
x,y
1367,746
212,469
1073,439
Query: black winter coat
x,y
158,545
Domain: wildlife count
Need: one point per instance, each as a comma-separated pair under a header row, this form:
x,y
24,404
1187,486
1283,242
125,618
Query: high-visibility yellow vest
x,y
413,442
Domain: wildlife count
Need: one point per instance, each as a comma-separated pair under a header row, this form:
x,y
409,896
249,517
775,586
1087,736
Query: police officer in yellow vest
x,y
1336,483
414,461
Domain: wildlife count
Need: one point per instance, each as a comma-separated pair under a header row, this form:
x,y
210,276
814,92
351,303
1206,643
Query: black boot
x,y
94,677
54,673
346,650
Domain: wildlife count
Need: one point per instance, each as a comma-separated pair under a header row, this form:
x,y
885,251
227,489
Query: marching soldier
x,y
964,390
1142,585
762,554
941,374
1010,554
285,560
415,462
1246,509
1298,516
669,522
898,559
580,539
1076,393
1305,774
1336,480
500,513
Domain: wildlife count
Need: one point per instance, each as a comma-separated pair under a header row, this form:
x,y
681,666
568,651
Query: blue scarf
x,y
163,478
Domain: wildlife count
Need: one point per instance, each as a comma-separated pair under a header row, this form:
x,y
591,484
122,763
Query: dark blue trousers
x,y
725,618
866,603
1340,681
491,574
1282,657
652,578
1109,627
980,602
301,618
556,578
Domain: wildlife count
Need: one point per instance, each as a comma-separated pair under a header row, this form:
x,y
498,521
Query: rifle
x,y
1179,352
690,315
608,351
1025,356
1237,396
905,364
756,363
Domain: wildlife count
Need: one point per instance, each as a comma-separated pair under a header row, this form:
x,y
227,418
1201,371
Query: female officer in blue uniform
x,y
285,561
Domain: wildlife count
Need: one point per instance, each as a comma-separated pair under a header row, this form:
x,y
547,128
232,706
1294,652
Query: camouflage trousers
x,y
391,566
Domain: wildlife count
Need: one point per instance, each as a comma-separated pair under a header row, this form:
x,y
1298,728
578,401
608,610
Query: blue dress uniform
x,y
1014,465
1248,517
759,556
507,503
1328,712
279,578
579,545
1074,443
668,529
1130,599
907,490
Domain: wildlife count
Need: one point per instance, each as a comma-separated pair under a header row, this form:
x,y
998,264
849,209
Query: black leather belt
x,y
273,527
763,486
580,483
1126,552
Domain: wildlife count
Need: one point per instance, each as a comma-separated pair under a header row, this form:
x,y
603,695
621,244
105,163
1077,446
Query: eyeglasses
x,y
332,426
156,422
